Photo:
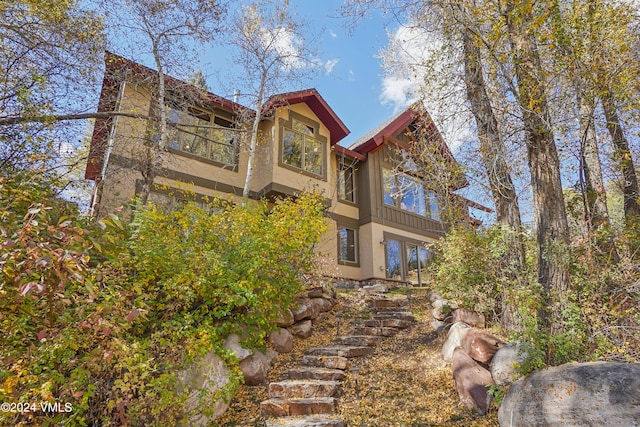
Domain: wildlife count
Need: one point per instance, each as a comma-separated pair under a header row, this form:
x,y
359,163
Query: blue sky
x,y
354,84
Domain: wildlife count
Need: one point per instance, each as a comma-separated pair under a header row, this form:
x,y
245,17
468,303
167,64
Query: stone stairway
x,y
308,396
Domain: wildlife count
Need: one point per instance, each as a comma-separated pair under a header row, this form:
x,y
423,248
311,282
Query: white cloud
x,y
287,45
352,76
413,54
332,34
328,66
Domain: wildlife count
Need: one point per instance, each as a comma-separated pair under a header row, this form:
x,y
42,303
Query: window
x,y
346,183
406,260
196,137
408,193
301,147
347,245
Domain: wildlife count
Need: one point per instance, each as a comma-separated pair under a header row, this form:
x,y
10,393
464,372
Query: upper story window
x,y
202,134
346,182
302,147
408,193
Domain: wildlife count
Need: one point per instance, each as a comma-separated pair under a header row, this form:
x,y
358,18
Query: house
x,y
381,214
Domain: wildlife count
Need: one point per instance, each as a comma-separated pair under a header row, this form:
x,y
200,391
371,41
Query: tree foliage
x,y
103,317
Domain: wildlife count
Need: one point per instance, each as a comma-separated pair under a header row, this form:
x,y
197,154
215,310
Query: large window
x,y
346,185
406,260
347,245
301,147
202,135
408,193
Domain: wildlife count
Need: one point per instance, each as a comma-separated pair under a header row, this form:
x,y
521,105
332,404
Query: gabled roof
x,y
375,137
318,105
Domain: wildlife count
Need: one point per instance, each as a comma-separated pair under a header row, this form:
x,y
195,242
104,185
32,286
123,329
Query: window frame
x,y
342,169
356,241
428,197
403,246
214,119
312,126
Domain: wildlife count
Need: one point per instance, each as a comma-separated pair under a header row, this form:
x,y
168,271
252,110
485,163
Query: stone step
x,y
302,389
400,315
304,422
381,310
387,303
341,350
312,373
380,332
331,362
288,407
358,340
387,323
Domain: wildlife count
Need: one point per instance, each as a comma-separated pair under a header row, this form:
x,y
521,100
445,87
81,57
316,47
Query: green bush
x,y
103,315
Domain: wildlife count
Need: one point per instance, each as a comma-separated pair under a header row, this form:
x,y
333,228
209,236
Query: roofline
x,y
318,105
349,153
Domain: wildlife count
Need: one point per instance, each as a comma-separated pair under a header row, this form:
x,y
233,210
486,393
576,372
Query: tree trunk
x,y
552,228
493,154
253,144
594,193
623,158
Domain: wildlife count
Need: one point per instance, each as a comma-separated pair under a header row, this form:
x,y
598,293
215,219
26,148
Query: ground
x,y
404,382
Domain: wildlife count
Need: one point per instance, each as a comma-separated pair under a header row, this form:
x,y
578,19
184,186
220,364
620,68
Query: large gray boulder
x,y
281,340
504,363
307,309
454,339
302,329
575,395
209,373
233,343
470,317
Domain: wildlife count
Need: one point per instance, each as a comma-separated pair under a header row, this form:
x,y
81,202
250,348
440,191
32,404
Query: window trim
x,y
288,125
342,166
356,248
199,112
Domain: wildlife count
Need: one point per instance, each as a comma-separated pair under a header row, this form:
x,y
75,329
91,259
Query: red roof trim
x,y
349,153
318,105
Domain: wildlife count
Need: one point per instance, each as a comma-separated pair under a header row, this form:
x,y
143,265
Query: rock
x,y
438,325
307,421
323,304
282,340
310,372
315,292
330,362
503,364
471,381
306,310
210,373
285,319
481,346
376,288
233,343
301,329
282,407
255,368
454,339
442,309
302,389
471,318
434,296
575,394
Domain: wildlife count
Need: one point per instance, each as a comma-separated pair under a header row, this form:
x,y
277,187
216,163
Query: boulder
x,y
306,310
255,368
324,305
379,288
575,394
481,346
454,339
472,381
301,329
315,292
434,296
285,318
281,340
442,309
209,373
470,317
233,343
438,325
504,362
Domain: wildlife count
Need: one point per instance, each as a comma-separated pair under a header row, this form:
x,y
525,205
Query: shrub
x,y
103,316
